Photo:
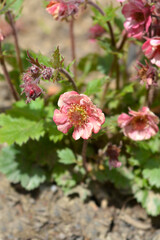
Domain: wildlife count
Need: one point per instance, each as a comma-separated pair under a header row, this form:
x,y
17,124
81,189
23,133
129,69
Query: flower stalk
x,y
6,75
70,79
73,52
108,23
84,150
12,24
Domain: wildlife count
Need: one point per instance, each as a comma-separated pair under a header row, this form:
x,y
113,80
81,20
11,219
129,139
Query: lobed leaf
x,y
66,156
19,130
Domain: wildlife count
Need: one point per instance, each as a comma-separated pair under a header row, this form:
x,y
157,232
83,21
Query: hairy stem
x,y
70,79
6,75
122,42
12,23
84,150
149,96
107,84
108,23
72,39
117,74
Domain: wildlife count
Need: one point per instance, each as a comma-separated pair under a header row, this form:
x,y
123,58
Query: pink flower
x,y
120,1
138,18
148,74
113,152
95,32
78,111
61,9
139,125
151,49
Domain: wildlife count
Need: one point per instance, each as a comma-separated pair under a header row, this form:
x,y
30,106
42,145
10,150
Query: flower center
x,y
77,115
139,122
139,16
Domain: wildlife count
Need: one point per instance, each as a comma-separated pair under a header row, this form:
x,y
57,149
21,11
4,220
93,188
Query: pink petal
x,y
64,97
123,120
59,117
64,127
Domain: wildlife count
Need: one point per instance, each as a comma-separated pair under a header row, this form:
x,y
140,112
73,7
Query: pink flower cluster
x,y
78,111
139,125
151,49
138,18
61,9
31,80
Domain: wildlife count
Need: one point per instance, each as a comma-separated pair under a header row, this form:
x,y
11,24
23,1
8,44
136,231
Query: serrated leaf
x,y
19,130
151,171
42,59
150,201
63,178
54,134
32,111
88,63
57,59
121,177
95,86
17,169
66,156
15,6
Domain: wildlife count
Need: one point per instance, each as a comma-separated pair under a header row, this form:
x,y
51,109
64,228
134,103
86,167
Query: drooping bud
x,y
47,73
27,78
95,32
113,153
31,90
35,71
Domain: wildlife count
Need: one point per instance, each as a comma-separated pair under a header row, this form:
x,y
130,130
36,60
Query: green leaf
x,y
19,130
127,89
104,63
15,6
151,171
17,169
32,111
88,63
63,178
121,177
66,156
42,59
153,176
54,134
150,201
57,59
95,86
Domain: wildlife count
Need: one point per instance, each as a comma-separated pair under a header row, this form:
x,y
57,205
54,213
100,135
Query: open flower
x,y
138,18
139,125
61,9
147,74
78,111
151,49
113,153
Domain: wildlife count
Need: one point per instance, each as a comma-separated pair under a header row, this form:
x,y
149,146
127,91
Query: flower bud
x,y
113,152
32,91
35,71
47,73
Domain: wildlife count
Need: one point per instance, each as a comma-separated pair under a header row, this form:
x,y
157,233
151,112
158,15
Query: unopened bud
x,y
47,73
